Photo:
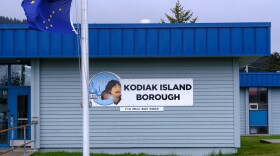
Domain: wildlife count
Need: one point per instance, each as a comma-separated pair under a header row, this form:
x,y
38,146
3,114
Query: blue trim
x,y
258,118
141,41
261,79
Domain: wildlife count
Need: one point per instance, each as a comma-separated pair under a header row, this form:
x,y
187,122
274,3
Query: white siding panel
x,y
242,111
208,123
275,111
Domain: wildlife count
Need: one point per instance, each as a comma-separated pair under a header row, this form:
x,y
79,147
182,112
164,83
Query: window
x,y
253,95
22,108
3,75
20,75
15,75
263,98
258,96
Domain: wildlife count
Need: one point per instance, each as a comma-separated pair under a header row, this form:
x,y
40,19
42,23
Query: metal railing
x,y
12,148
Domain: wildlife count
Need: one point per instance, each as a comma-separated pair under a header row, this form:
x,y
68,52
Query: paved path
x,y
270,141
18,152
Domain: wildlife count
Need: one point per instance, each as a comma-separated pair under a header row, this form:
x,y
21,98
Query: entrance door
x,y
14,100
19,106
258,113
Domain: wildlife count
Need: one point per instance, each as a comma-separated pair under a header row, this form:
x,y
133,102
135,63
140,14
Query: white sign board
x,y
107,89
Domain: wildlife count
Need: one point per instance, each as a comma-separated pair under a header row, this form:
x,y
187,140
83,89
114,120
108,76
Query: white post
x,y
85,77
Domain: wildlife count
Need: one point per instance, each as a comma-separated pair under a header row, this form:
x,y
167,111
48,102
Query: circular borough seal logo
x,y
105,89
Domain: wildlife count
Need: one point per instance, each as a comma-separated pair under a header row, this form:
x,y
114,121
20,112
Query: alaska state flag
x,y
49,15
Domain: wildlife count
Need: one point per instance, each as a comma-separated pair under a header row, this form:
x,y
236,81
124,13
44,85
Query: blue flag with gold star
x,y
49,15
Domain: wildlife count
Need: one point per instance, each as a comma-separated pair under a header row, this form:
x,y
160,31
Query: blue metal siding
x,y
249,40
127,42
188,44
152,42
177,42
224,44
213,41
1,43
44,44
117,47
8,42
261,45
141,40
200,42
93,42
237,41
20,48
260,79
164,40
31,42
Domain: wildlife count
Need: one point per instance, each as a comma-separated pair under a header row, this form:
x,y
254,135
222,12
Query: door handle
x,y
22,119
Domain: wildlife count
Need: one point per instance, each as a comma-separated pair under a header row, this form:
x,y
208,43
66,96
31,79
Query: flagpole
x,y
85,77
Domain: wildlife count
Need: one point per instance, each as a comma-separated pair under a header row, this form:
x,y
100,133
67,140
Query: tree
x,y
272,63
181,15
7,20
256,66
266,64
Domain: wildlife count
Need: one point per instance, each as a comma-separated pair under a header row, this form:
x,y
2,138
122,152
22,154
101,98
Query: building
x,y
259,103
40,73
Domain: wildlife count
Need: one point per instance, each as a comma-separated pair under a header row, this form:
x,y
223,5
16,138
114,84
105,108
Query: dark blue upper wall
x,y
261,79
142,40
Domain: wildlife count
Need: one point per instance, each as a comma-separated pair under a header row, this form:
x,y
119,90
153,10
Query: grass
x,y
250,146
80,154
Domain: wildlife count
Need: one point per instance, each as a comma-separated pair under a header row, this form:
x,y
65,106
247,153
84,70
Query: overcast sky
x,y
208,11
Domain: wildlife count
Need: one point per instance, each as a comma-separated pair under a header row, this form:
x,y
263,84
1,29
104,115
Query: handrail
x,y
25,143
18,127
7,151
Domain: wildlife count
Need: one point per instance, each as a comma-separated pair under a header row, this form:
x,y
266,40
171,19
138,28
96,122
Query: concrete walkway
x,y
18,152
270,141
